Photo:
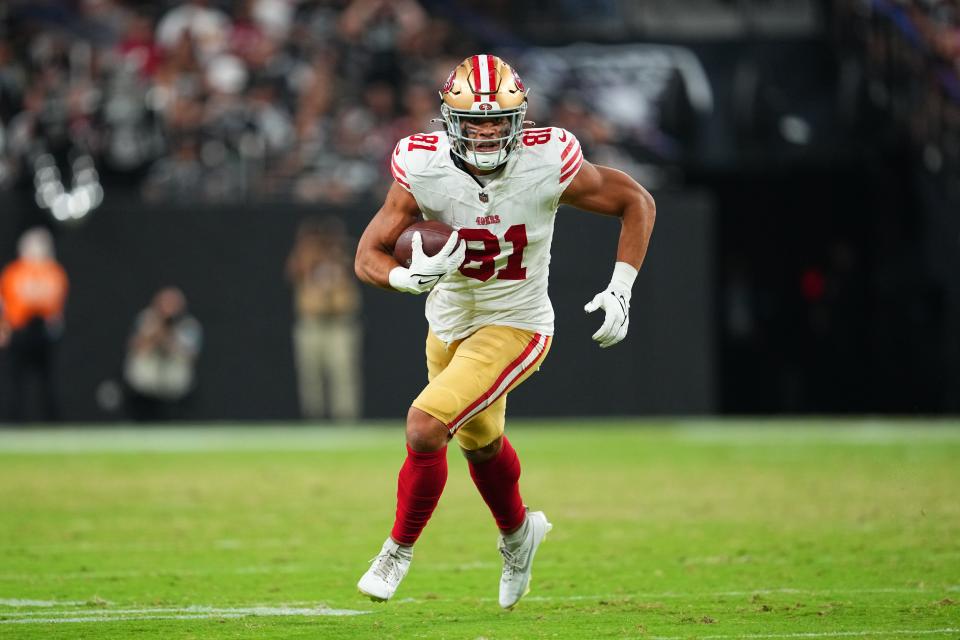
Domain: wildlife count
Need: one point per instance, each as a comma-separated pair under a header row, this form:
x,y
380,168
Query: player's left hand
x,y
616,306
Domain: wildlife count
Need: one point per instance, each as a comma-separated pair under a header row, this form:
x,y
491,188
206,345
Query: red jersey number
x,y
423,141
535,136
487,256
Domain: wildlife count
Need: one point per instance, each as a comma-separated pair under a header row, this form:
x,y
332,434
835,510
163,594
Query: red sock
x,y
498,480
419,486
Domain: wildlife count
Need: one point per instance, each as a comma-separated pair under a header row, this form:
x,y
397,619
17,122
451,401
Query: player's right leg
x,y
419,486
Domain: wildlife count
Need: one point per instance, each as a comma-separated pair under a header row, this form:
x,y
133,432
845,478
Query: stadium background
x,y
805,158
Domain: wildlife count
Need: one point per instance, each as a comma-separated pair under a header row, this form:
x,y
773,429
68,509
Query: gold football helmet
x,y
483,104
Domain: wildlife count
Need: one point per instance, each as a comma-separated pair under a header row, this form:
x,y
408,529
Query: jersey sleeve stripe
x,y
566,151
403,183
573,160
397,169
572,172
528,358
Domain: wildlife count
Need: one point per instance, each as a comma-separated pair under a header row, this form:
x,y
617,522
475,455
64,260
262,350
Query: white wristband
x,y
623,276
399,278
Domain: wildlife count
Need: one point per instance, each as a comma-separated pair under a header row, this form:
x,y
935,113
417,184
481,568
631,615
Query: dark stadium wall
x,y
229,261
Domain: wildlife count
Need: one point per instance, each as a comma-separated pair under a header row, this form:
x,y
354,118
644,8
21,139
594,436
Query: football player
x,y
498,185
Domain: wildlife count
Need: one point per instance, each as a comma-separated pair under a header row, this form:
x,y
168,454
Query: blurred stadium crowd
x,y
218,100
840,117
911,50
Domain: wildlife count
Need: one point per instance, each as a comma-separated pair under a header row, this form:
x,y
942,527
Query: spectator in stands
x,y
160,367
211,104
208,27
327,331
33,292
225,101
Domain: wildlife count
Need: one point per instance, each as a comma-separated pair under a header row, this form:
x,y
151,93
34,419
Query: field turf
x,y
699,529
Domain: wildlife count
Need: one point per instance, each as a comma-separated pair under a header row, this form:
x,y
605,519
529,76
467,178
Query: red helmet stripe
x,y
475,61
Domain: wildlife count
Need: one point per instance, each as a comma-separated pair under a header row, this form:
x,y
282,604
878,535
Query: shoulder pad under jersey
x,y
414,154
556,150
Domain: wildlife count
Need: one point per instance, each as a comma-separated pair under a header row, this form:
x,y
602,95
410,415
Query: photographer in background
x,y
327,335
160,368
33,292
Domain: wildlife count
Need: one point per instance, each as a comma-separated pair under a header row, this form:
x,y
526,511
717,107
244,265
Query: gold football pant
x,y
470,380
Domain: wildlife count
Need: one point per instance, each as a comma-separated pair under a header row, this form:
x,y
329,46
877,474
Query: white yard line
x,y
20,602
260,609
81,607
169,613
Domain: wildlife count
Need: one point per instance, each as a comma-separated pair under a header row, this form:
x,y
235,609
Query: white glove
x,y
615,302
426,271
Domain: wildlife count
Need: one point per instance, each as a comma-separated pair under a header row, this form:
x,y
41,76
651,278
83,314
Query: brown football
x,y
434,234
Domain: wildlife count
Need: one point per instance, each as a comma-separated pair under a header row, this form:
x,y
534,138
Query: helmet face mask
x,y
483,106
476,142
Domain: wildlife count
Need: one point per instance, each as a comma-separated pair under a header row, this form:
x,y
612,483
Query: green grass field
x,y
661,530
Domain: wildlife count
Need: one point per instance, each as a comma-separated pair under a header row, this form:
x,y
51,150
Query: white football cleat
x,y
518,557
386,571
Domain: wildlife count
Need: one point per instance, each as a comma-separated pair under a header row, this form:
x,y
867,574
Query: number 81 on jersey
x,y
491,250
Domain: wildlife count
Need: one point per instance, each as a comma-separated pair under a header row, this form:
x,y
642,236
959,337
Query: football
x,y
434,234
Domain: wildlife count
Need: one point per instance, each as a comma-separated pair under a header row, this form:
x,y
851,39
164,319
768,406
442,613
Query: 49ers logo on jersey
x,y
494,219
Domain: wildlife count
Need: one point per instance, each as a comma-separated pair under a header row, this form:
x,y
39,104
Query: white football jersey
x,y
507,224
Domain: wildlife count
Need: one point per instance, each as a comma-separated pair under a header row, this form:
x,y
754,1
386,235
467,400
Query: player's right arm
x,y
374,260
375,263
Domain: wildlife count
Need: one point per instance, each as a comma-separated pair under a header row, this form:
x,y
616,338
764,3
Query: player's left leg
x,y
494,466
495,469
